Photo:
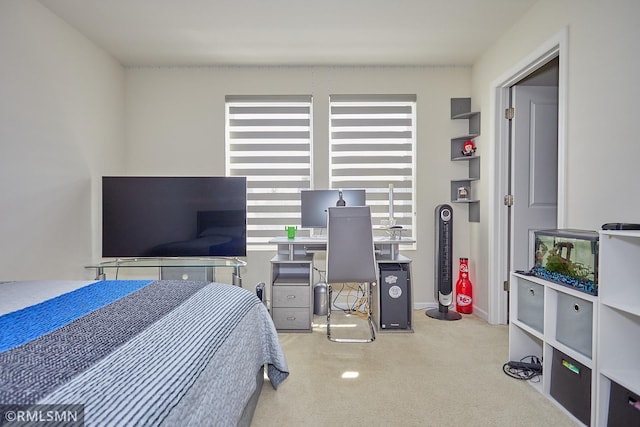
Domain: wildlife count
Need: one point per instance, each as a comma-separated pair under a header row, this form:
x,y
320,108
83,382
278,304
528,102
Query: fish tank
x,y
568,257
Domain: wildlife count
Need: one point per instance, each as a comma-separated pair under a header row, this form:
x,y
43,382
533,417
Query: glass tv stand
x,y
171,265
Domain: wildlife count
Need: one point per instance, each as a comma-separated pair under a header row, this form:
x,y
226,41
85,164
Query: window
x,y
268,140
372,146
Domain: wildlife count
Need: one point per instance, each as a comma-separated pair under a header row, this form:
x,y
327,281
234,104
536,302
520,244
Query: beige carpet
x,y
445,373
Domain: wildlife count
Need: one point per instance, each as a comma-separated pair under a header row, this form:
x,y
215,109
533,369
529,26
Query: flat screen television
x,y
174,216
314,204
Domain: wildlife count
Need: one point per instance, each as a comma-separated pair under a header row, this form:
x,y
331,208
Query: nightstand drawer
x,y
291,318
290,296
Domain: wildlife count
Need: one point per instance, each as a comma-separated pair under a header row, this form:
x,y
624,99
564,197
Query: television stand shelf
x,y
168,267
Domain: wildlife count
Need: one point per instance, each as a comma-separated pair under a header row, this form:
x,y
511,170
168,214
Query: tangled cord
x,y
530,369
359,306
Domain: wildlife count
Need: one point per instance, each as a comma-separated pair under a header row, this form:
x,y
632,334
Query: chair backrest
x,y
350,252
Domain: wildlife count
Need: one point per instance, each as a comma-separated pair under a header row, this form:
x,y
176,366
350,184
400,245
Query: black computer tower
x,y
395,300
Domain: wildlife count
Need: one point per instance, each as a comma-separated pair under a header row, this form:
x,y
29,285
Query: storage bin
x,y
624,407
568,257
571,385
574,323
531,304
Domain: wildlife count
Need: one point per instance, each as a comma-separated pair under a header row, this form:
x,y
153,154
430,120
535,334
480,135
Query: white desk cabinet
x,y
291,293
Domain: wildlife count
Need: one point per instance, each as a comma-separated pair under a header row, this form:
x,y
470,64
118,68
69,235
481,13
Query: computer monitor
x,y
314,204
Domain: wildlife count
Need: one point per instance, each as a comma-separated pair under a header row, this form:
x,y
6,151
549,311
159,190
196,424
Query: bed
x,y
137,352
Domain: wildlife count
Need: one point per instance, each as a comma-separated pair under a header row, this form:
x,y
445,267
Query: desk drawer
x,y
291,318
290,296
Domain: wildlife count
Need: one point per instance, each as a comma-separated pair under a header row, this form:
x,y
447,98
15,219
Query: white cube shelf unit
x,y
550,320
618,351
608,346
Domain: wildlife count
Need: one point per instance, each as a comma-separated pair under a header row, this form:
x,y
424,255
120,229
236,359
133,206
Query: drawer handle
x,y
291,297
576,307
532,291
291,318
570,366
634,403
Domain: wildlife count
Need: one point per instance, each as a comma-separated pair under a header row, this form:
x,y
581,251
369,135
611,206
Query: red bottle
x,y
464,289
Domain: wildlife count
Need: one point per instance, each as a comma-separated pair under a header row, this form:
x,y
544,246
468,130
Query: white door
x,y
534,168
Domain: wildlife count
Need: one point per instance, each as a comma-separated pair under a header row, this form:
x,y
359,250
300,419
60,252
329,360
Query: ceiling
x,y
292,32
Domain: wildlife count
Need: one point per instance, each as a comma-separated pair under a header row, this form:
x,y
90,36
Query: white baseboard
x,y
424,305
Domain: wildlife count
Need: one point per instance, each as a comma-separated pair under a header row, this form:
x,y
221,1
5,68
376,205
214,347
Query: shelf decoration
x,y
463,193
468,148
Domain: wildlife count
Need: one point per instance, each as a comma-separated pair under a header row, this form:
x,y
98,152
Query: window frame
x,y
261,128
388,121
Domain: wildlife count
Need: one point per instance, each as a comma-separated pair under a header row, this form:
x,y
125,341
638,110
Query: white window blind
x,y
268,140
372,145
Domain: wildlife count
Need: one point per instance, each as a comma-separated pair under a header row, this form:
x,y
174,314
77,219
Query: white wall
x,y
602,94
175,126
61,125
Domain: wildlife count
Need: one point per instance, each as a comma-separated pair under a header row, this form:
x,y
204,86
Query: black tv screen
x,y
314,204
174,216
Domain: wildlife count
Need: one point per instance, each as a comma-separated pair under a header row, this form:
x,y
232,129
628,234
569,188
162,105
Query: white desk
x,y
386,248
292,282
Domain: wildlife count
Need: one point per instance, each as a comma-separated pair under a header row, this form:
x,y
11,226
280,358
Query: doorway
x,y
532,199
533,165
513,228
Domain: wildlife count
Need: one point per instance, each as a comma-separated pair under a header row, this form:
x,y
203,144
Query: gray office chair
x,y
350,258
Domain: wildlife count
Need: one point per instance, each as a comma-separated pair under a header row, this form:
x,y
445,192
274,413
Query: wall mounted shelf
x,y
461,110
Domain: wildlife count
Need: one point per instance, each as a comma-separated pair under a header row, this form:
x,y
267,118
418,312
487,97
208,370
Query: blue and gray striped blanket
x,y
158,353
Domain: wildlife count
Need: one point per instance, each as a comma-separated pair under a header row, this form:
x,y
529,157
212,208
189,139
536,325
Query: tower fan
x,y
443,273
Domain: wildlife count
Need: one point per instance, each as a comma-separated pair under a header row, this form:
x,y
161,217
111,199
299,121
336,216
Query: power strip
x,y
535,367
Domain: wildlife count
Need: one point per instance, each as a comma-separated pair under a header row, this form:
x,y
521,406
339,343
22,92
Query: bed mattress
x,y
156,353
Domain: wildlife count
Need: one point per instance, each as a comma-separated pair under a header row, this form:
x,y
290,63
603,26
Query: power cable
x,y
528,368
